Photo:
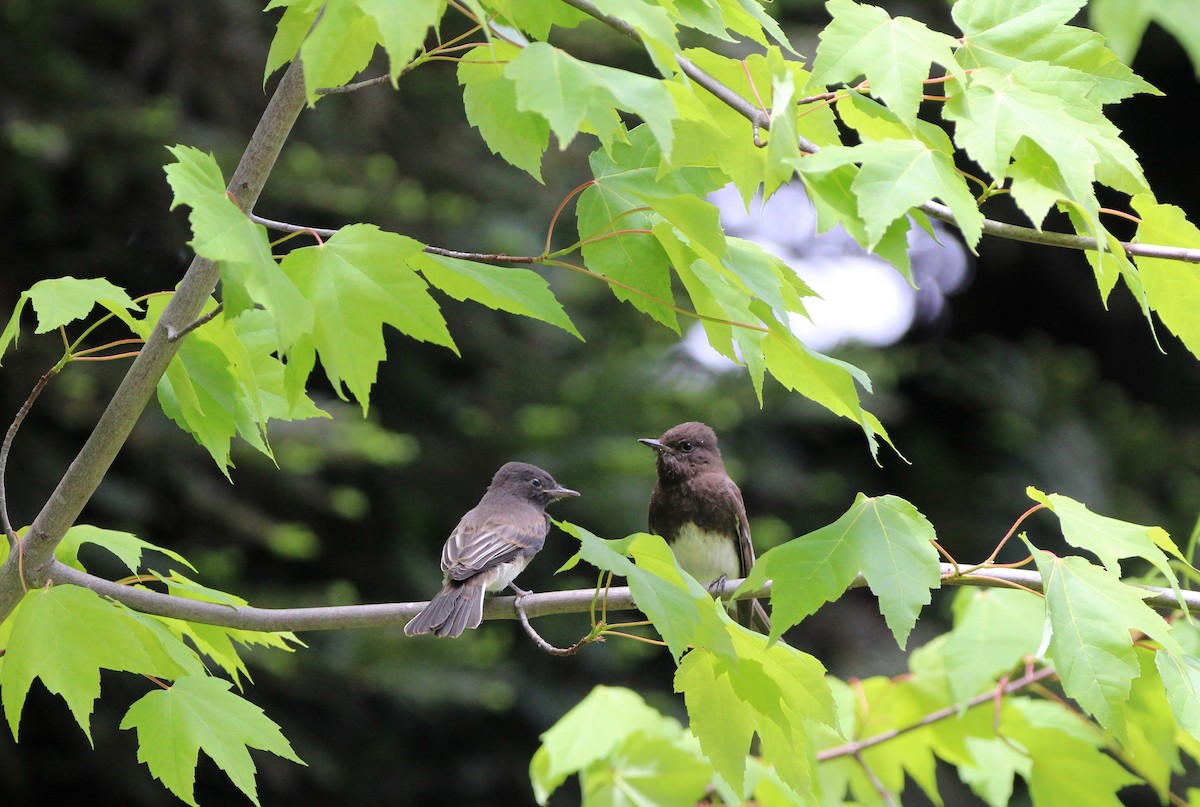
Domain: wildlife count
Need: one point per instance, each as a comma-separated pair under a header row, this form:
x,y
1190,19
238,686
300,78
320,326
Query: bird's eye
x,y
537,483
686,446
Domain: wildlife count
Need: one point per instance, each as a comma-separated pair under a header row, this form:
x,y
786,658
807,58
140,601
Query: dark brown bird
x,y
491,545
699,510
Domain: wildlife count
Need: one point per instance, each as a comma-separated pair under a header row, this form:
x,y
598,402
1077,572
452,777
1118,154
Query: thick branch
x,y
94,459
380,615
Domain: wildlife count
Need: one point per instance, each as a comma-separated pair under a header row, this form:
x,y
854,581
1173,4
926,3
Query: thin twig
x,y
285,227
537,638
880,788
6,447
853,749
175,335
532,259
359,85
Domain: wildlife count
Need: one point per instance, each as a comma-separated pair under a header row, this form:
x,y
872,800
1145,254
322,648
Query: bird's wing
x,y
478,544
751,614
745,546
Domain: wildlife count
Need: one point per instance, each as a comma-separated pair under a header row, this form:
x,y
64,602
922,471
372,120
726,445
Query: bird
x,y
699,511
491,545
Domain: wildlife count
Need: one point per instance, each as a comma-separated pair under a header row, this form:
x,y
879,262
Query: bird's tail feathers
x,y
457,607
752,615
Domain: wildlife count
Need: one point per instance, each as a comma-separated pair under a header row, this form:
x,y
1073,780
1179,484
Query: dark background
x,y
1024,378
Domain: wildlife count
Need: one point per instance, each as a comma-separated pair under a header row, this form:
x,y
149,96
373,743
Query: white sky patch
x,y
864,299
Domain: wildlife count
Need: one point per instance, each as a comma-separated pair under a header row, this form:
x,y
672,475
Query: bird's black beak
x,y
561,492
655,444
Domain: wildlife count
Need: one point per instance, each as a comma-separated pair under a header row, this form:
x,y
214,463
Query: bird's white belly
x,y
502,574
706,555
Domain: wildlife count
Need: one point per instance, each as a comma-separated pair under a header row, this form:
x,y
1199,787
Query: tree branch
x,y
548,603
115,424
761,120
856,747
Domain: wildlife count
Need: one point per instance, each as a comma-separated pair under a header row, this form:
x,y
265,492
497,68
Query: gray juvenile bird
x,y
491,545
699,511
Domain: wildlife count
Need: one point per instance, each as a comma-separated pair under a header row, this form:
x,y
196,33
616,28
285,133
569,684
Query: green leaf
x,y
767,277
1172,287
290,32
769,687
653,23
537,17
825,380
223,233
996,763
587,733
64,635
647,770
1091,614
718,304
897,175
718,717
1180,674
490,99
1112,540
895,54
358,281
624,178
994,630
402,27
339,46
783,149
1067,767
571,94
60,301
226,381
200,713
1031,31
682,610
990,29
884,537
165,646
1154,753
126,546
696,219
501,288
1049,105
1123,23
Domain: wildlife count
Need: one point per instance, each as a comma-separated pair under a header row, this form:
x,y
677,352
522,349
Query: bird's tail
x,y
457,607
752,615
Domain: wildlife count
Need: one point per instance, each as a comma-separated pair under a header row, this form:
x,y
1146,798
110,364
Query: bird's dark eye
x,y
537,483
686,446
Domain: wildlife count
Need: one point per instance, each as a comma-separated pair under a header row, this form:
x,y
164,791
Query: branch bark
x,y
31,561
382,615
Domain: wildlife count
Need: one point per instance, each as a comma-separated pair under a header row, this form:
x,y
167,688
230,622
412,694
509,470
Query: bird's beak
x,y
561,492
655,444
